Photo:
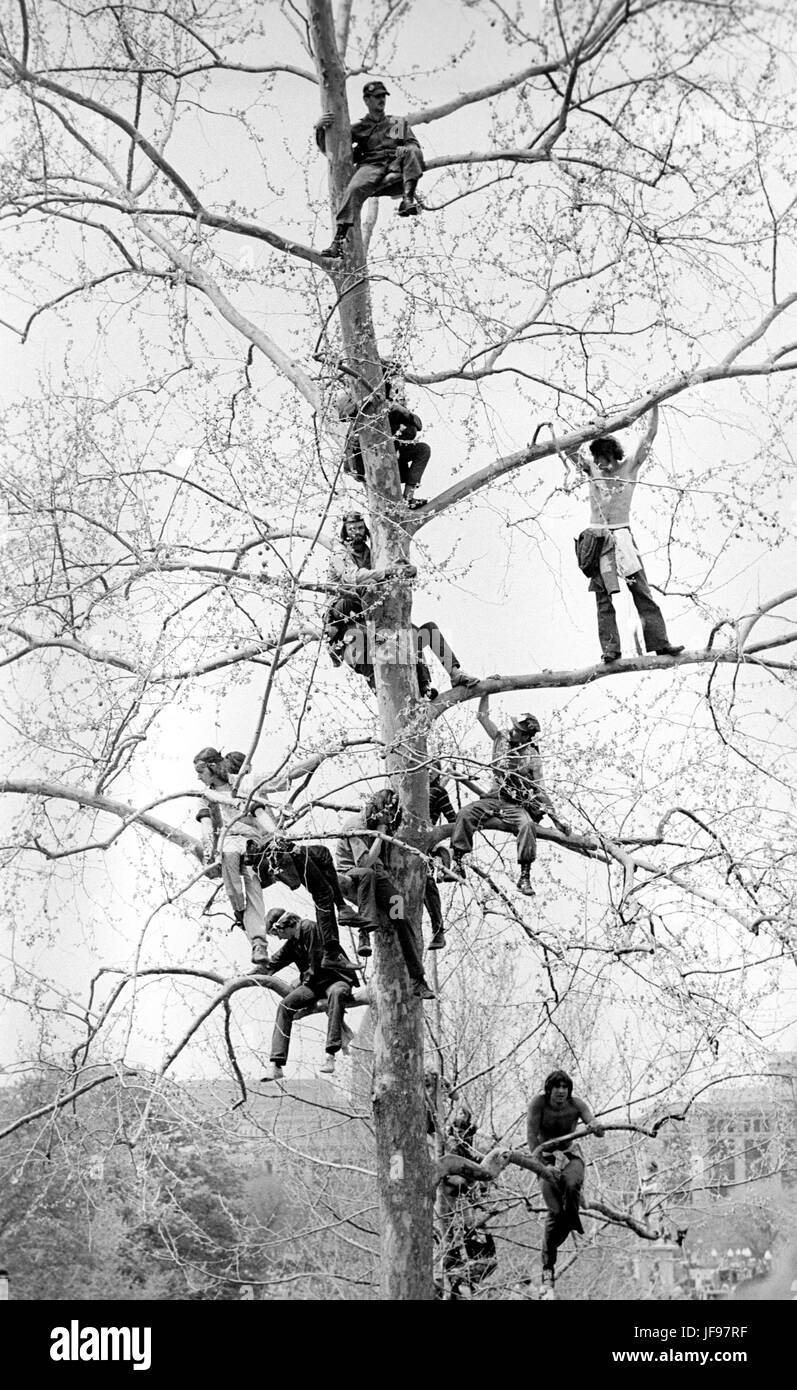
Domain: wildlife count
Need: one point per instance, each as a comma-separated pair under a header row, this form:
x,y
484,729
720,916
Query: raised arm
x,y
646,443
484,719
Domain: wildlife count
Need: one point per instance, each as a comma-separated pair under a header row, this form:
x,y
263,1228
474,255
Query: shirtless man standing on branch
x,y
606,548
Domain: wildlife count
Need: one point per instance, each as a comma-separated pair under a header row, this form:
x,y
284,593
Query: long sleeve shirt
x,y
305,951
517,772
375,139
439,802
224,814
352,849
349,569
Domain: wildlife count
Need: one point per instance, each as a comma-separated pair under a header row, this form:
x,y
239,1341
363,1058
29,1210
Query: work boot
x,y
408,207
275,1073
260,952
334,251
608,659
328,1066
459,863
421,990
668,650
363,943
524,884
460,677
334,957
547,1285
438,940
413,503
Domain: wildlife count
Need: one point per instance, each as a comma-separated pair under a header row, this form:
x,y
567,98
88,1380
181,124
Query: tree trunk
x,y
403,1168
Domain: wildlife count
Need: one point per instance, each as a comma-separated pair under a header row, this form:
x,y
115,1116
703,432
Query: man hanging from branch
x,y
606,549
303,946
517,799
387,158
552,1115
364,879
349,630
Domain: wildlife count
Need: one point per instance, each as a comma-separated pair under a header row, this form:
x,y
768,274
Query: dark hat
x,y
371,88
529,723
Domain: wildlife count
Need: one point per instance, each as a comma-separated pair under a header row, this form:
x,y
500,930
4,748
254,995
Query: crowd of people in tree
x,y
242,842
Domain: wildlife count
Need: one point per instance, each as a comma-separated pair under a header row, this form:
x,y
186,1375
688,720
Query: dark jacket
x,y
375,139
305,951
404,427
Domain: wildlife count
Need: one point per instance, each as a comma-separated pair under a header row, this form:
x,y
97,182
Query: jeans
x,y
562,1202
491,813
378,180
378,905
244,892
433,904
653,629
310,866
338,995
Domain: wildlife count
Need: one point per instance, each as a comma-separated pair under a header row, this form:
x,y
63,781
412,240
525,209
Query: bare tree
x,y
171,485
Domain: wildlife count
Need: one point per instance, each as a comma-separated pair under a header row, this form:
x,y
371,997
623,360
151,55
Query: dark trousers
x,y
491,813
314,868
412,461
433,904
653,628
379,180
340,616
562,1200
338,995
428,635
380,904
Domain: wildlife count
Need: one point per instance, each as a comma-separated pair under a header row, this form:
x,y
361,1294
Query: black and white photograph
x,y
398,633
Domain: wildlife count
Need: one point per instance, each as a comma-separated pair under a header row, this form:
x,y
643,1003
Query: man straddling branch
x,y
303,946
552,1114
365,881
388,162
606,548
349,630
517,798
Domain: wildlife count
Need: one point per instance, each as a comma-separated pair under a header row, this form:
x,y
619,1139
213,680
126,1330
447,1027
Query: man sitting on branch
x,y
552,1115
387,158
517,798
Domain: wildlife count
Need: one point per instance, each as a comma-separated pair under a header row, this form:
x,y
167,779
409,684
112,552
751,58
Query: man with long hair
x,y
553,1115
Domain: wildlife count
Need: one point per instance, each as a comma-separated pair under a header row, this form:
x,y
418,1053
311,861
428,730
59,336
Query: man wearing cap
x,y
303,946
517,798
606,549
387,158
